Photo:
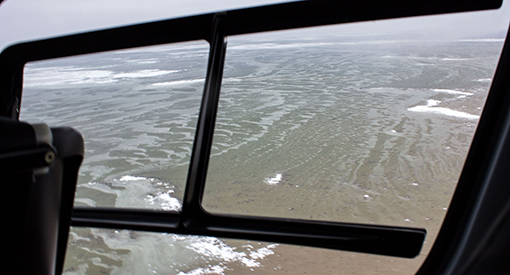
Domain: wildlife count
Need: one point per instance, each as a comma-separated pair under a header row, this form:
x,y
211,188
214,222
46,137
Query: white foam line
x,y
144,61
131,178
429,108
454,59
444,111
484,80
75,76
179,82
148,62
483,40
143,73
65,76
454,92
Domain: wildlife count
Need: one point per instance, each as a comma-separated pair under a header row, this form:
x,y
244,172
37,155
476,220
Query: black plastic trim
x,y
386,240
206,121
125,218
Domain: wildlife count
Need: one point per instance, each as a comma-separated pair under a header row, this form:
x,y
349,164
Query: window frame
x,y
214,28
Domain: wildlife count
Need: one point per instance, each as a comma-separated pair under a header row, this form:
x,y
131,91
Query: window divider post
x,y
191,208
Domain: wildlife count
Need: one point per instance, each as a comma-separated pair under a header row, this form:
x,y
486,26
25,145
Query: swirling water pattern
x,y
366,132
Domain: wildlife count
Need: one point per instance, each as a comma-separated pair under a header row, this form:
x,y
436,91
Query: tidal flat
x,y
372,132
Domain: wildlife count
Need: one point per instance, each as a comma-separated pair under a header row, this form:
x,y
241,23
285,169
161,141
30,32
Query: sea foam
x,y
179,82
273,181
429,108
454,92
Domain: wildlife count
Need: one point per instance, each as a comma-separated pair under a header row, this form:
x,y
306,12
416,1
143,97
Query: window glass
x,y
369,130
372,128
361,127
106,251
137,110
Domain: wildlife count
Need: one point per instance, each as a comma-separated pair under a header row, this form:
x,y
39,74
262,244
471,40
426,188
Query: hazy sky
x,y
22,20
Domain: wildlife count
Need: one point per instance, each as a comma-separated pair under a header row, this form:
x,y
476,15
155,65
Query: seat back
x,y
39,168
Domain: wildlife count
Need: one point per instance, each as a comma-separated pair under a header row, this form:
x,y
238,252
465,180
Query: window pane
x,y
106,251
352,128
370,131
137,110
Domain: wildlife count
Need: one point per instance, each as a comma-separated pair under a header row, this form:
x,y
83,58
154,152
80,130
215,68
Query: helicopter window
x,y
288,130
137,110
352,128
384,161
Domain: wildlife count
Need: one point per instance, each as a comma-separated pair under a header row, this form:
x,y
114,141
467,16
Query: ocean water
x,y
365,131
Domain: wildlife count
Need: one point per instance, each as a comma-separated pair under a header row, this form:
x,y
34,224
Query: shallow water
x,y
373,132
343,133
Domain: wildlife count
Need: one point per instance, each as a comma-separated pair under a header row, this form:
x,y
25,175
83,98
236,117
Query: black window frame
x,y
214,28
